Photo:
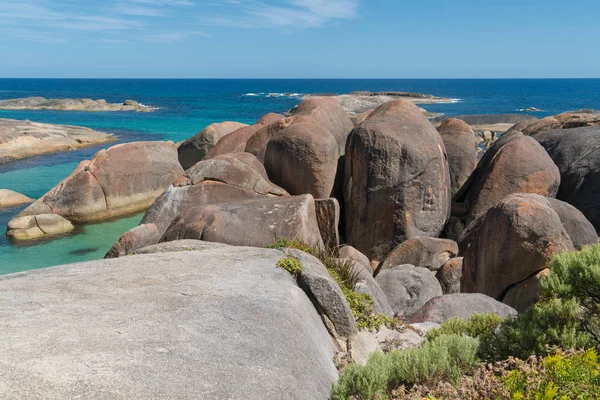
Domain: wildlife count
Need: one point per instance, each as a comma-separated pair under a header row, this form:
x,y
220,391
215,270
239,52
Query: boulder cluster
x,y
431,230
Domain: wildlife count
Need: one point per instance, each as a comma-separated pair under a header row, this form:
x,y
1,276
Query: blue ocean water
x,y
187,106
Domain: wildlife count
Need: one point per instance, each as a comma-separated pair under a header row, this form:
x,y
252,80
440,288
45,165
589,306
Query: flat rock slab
x,y
223,323
22,139
40,103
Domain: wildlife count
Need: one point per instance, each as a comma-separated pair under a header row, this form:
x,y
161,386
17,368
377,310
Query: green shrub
x,y
546,325
574,375
445,358
559,376
475,326
291,265
576,276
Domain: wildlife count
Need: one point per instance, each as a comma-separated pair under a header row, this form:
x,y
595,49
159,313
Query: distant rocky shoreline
x,y
22,139
41,103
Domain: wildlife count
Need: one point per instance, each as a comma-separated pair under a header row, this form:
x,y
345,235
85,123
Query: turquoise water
x,y
187,106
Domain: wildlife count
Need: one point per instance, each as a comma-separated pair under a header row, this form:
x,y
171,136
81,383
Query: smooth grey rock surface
x,y
408,287
459,305
223,323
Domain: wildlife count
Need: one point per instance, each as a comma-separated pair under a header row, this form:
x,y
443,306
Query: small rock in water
x,y
83,252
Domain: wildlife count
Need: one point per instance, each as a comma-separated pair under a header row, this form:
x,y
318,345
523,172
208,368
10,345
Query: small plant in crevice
x,y
346,276
291,265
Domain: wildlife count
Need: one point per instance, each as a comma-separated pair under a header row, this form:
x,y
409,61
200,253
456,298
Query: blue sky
x,y
299,38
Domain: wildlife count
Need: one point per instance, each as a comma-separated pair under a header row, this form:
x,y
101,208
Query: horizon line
x,y
275,79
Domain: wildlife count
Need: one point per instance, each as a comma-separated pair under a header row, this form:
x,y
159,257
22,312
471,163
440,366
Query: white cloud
x,y
286,13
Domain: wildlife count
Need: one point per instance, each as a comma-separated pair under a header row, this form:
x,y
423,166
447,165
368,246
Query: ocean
x,y
186,106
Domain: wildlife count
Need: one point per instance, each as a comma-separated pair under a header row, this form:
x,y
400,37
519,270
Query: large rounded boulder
x,y
121,180
235,142
513,241
302,159
461,148
397,183
220,323
195,148
408,288
327,113
228,177
459,305
256,222
426,252
515,163
576,152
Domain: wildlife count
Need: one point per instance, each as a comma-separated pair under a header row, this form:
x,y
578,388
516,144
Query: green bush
x,y
560,376
291,265
477,325
576,276
446,357
574,375
549,324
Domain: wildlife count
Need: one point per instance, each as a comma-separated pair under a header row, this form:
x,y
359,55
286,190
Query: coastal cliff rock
x,y
9,198
397,183
461,147
513,164
195,148
235,142
22,139
256,222
40,103
514,240
121,180
222,323
576,152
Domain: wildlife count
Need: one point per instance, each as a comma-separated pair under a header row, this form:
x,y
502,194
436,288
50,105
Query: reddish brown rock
x,y
136,238
461,148
328,114
235,142
566,120
449,275
256,222
122,180
426,252
513,164
257,143
523,294
195,148
397,184
228,177
512,241
302,159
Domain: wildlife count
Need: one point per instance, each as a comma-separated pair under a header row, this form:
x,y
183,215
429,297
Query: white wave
x,y
456,100
530,109
275,94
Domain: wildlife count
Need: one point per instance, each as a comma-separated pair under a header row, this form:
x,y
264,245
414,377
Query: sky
x,y
299,38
